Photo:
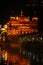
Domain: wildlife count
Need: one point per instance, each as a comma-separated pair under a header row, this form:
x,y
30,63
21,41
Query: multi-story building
x,y
22,25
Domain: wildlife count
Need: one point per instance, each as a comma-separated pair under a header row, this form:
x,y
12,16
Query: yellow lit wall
x,y
15,27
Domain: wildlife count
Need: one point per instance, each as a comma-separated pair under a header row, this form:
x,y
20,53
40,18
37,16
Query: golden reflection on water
x,y
14,57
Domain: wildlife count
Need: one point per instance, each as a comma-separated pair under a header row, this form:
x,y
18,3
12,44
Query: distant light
x,y
41,1
28,17
5,55
40,38
2,29
33,4
33,56
16,18
12,17
34,18
24,52
8,23
33,38
0,25
5,26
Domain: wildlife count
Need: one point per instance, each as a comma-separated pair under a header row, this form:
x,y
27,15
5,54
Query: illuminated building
x,y
22,25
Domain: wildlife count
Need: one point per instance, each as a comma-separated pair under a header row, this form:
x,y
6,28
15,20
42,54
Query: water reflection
x,y
12,54
21,54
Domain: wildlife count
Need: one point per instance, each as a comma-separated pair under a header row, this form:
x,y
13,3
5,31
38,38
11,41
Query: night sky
x,y
6,8
13,7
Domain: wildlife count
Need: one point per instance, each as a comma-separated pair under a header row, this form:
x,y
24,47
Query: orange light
x,y
34,18
12,17
16,18
19,25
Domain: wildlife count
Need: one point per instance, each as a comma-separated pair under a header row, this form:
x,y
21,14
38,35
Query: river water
x,y
24,53
12,53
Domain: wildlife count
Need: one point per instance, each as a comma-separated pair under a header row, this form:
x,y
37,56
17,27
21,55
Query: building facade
x,y
22,25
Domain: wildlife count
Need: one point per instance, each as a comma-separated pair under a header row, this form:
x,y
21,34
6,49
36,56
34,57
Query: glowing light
x,y
5,26
34,18
42,2
2,29
33,38
16,18
3,38
4,54
12,17
21,25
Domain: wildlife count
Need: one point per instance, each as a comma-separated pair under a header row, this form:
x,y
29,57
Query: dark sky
x,y
12,5
6,8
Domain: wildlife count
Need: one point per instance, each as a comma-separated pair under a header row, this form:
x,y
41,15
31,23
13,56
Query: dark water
x,y
29,53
